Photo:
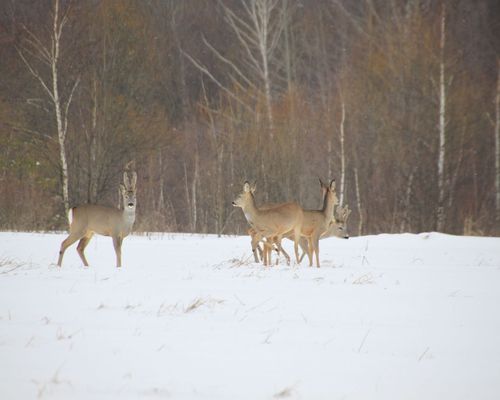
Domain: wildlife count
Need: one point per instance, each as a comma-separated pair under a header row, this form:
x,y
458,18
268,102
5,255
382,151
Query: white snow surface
x,y
192,317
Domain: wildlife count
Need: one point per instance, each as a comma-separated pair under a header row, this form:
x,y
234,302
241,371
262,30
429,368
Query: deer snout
x,y
234,204
130,205
346,237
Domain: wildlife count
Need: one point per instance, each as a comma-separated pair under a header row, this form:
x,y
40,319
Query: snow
x,y
191,317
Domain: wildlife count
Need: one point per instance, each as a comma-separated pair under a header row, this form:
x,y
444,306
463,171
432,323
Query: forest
x,y
397,100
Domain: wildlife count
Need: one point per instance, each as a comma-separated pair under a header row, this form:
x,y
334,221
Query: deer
x,y
87,219
272,223
317,222
323,221
337,228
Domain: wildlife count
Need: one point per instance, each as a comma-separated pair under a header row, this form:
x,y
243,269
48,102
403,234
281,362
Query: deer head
x,y
341,215
246,196
128,191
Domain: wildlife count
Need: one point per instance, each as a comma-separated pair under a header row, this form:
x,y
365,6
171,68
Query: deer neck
x,y
128,218
328,205
250,210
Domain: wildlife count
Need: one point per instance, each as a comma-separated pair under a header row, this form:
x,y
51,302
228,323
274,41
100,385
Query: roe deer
x,y
317,222
272,223
88,219
257,237
337,228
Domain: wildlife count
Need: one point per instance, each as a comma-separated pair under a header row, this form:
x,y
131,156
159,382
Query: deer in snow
x,y
88,219
272,223
324,222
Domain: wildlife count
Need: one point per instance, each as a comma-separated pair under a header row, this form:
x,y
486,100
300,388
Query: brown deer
x,y
337,228
272,223
314,221
88,219
317,222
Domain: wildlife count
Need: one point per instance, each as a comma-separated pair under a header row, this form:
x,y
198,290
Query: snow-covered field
x,y
191,317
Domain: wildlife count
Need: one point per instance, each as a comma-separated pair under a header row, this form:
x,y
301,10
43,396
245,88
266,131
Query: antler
x,y
130,167
343,212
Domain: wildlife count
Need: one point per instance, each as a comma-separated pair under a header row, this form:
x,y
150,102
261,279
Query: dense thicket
x,y
205,94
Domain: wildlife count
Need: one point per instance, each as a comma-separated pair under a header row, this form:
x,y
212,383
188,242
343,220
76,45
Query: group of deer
x,y
271,223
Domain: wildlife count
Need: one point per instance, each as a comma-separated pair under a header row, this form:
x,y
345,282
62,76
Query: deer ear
x,y
253,187
122,188
134,180
321,182
246,187
332,184
126,182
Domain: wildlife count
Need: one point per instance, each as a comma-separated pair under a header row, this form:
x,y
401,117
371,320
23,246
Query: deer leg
x,y
260,251
268,248
305,248
315,241
310,251
296,240
255,246
280,249
81,248
72,238
117,243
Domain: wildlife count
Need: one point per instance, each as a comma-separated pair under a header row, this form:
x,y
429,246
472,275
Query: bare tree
x,y
342,151
258,31
33,50
497,146
442,124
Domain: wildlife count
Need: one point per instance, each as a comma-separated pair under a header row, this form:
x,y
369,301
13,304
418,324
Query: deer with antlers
x,y
88,219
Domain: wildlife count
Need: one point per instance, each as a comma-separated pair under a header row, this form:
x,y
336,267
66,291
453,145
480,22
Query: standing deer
x,y
317,222
324,221
88,219
272,223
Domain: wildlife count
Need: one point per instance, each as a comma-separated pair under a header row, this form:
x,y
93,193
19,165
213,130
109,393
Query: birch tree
x,y
258,31
38,57
441,125
497,146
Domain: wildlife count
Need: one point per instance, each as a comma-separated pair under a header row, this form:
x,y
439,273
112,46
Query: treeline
x,y
399,101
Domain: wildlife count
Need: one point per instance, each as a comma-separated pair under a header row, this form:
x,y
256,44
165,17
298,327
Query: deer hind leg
x,y
72,238
296,240
305,248
84,241
281,250
117,243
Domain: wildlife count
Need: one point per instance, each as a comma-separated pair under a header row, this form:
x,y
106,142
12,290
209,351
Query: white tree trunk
x,y
194,186
342,155
49,56
497,147
442,126
358,200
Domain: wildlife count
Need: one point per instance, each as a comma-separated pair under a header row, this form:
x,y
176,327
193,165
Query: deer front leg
x,y
255,244
296,240
315,243
117,243
310,251
268,248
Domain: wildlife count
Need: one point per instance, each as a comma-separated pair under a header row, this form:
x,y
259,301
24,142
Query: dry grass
x,y
8,265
